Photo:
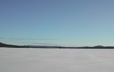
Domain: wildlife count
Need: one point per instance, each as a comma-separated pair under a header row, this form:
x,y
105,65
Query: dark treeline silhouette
x,y
9,45
25,46
58,47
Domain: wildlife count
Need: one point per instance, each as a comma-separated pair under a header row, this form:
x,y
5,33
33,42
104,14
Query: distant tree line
x,y
58,47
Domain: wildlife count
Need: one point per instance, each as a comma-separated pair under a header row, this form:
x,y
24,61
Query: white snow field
x,y
56,60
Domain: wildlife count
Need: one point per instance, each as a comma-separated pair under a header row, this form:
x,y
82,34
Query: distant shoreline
x,y
54,47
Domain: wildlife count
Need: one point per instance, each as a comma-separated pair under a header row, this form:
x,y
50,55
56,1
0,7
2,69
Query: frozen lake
x,y
56,60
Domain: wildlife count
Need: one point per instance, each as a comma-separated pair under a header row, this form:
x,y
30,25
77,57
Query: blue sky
x,y
57,22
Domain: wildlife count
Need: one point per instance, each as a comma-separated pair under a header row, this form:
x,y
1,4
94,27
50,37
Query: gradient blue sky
x,y
58,22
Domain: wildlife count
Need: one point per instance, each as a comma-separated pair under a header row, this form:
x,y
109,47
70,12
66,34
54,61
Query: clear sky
x,y
58,22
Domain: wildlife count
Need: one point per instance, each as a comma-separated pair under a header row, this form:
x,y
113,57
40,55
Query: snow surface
x,y
56,60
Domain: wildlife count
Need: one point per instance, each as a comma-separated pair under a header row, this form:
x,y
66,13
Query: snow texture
x,y
56,60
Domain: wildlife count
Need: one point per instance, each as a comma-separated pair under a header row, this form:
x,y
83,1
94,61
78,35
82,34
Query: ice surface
x,y
56,60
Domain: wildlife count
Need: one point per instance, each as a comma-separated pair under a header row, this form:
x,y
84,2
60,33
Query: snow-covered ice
x,y
56,60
